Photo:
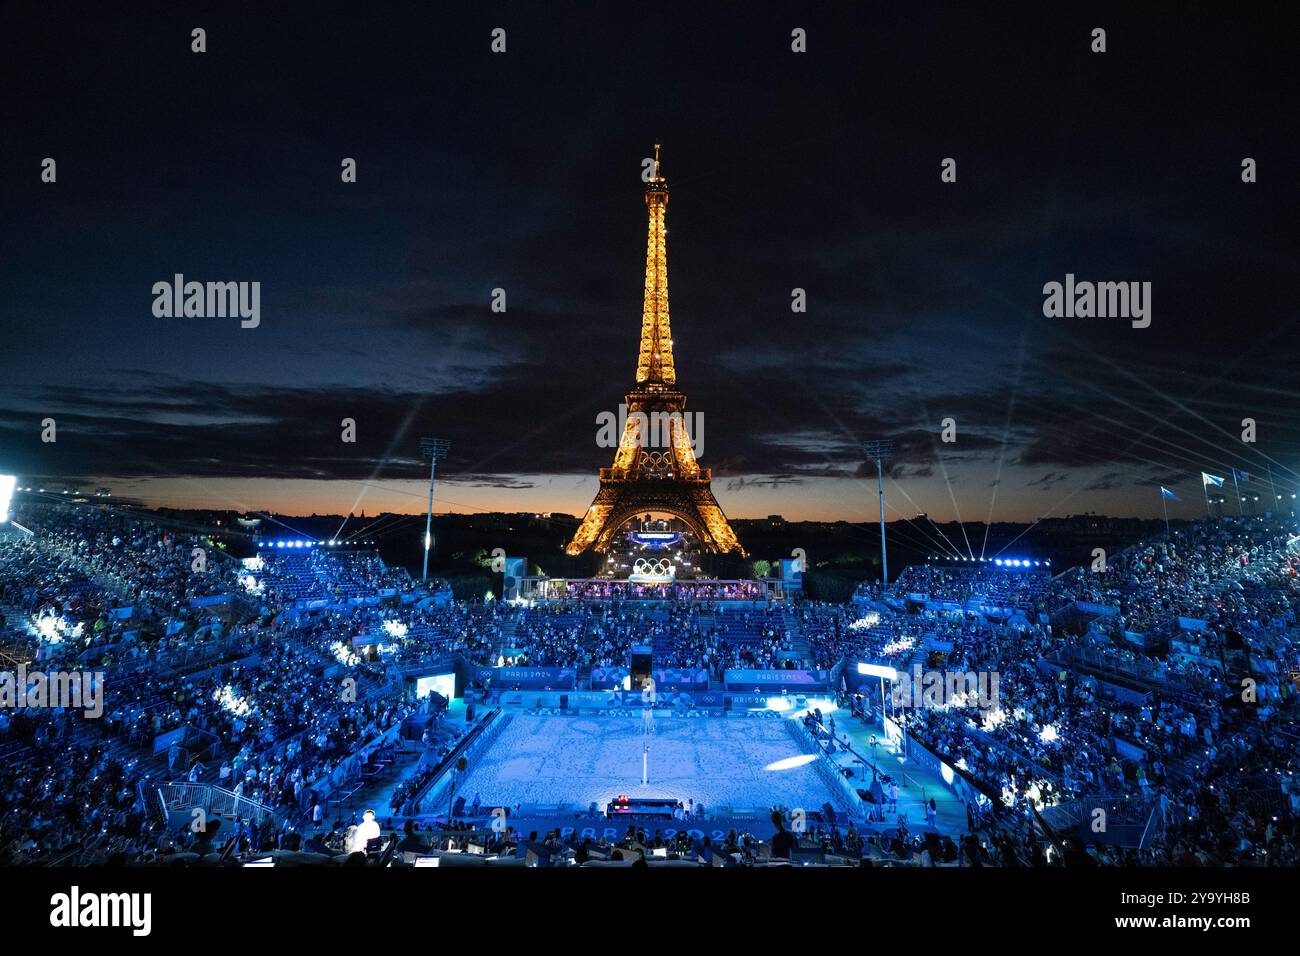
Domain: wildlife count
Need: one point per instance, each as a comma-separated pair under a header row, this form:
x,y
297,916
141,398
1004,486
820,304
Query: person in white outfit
x,y
648,706
366,831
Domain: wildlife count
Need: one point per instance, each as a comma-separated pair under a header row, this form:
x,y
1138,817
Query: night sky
x,y
521,171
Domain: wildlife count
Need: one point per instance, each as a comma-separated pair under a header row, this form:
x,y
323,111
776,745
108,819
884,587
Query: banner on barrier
x,y
610,677
678,678
773,681
528,678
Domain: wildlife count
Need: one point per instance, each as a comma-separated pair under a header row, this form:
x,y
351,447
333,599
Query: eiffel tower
x,y
647,475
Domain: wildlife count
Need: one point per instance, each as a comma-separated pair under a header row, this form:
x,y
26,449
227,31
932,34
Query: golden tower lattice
x,y
649,475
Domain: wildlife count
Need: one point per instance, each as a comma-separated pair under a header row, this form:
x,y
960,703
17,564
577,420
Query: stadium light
x,y
7,483
881,449
433,449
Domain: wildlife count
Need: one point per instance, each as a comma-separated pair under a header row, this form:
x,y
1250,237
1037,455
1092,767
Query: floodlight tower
x,y
881,450
432,449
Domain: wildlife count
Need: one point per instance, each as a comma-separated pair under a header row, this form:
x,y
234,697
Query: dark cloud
x,y
1047,481
1107,482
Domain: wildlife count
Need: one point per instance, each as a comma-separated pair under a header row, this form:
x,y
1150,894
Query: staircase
x,y
920,654
18,636
505,637
798,643
181,798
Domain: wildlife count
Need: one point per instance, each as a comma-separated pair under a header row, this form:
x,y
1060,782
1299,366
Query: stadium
x,y
253,712
368,503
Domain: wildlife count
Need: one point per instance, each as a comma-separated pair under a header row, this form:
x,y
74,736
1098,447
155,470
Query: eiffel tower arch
x,y
655,468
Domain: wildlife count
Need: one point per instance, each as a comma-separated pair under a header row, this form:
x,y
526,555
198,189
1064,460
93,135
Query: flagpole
x,y
1164,508
1272,487
1237,489
1205,490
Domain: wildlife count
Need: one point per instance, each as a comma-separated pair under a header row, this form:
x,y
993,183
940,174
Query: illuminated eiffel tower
x,y
649,475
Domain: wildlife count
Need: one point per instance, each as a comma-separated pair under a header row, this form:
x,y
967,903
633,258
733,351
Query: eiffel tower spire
x,y
655,361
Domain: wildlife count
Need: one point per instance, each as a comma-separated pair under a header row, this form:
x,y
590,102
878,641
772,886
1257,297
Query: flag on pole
x,y
1166,493
1207,480
1239,475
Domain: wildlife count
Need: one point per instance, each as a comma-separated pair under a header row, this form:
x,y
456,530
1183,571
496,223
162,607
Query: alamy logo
x,y
654,430
73,909
1102,300
209,300
943,689
73,690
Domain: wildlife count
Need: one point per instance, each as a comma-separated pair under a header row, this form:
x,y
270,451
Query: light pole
x,y
880,450
432,449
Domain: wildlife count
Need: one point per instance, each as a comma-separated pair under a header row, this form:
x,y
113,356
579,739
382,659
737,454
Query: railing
x,y
1156,817
1145,673
179,796
1132,821
827,769
183,659
15,752
866,761
482,736
1263,803
628,474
